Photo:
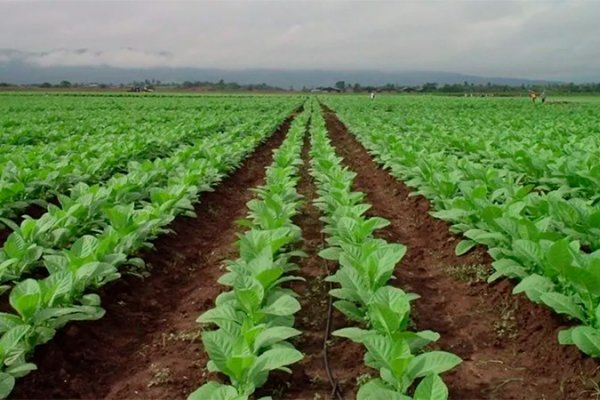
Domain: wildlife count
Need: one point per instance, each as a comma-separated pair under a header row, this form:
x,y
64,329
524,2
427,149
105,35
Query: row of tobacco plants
x,y
380,311
122,217
88,209
255,319
525,188
49,144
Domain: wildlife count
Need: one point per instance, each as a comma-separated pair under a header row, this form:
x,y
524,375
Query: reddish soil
x,y
309,377
147,345
508,344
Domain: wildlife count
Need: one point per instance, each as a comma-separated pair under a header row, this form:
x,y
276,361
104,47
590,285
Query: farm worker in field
x,y
533,95
543,96
372,95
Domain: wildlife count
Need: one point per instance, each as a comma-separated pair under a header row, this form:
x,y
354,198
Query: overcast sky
x,y
553,39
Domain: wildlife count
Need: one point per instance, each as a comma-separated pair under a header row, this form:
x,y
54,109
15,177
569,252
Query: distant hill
x,y
15,69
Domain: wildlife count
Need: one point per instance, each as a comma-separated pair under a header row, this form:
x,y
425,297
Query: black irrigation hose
x,y
336,391
335,387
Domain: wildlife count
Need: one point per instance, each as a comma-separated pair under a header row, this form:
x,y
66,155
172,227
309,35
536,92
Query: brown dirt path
x,y
508,344
147,345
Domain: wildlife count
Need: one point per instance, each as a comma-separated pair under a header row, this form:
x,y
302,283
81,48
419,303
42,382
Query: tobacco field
x,y
216,247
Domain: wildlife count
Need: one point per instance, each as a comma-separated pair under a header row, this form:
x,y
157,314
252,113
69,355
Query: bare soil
x,y
508,344
147,345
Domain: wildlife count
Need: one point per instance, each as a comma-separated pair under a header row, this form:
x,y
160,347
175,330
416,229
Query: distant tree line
x,y
471,88
227,86
465,88
221,85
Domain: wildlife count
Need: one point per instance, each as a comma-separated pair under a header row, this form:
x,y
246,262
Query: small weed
x,y
181,336
160,376
362,379
470,273
591,386
506,326
279,391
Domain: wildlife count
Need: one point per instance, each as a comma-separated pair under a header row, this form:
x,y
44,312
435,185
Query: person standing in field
x,y
543,96
372,95
533,95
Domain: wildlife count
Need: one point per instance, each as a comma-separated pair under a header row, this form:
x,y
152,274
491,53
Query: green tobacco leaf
x,y
431,388
274,359
587,339
434,362
274,335
389,310
216,391
378,389
355,334
559,256
506,267
219,348
20,370
15,245
528,250
534,286
219,314
10,340
331,253
563,305
450,215
464,246
349,309
26,298
283,306
565,336
7,383
85,246
418,340
8,321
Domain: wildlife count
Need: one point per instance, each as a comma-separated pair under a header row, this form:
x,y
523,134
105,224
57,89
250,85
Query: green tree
x,y
341,85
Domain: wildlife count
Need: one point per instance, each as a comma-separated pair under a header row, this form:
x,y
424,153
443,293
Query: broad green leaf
x,y
355,334
20,370
534,286
284,305
431,388
563,305
464,246
26,298
528,250
559,256
216,391
7,383
565,336
434,362
331,253
219,348
276,358
587,339
15,245
274,335
378,389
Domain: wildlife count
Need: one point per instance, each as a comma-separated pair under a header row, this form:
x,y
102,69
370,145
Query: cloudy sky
x,y
551,39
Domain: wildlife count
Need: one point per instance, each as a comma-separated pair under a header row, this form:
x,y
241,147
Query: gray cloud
x,y
553,39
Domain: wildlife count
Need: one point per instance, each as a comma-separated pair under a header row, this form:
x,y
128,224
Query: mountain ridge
x,y
16,68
